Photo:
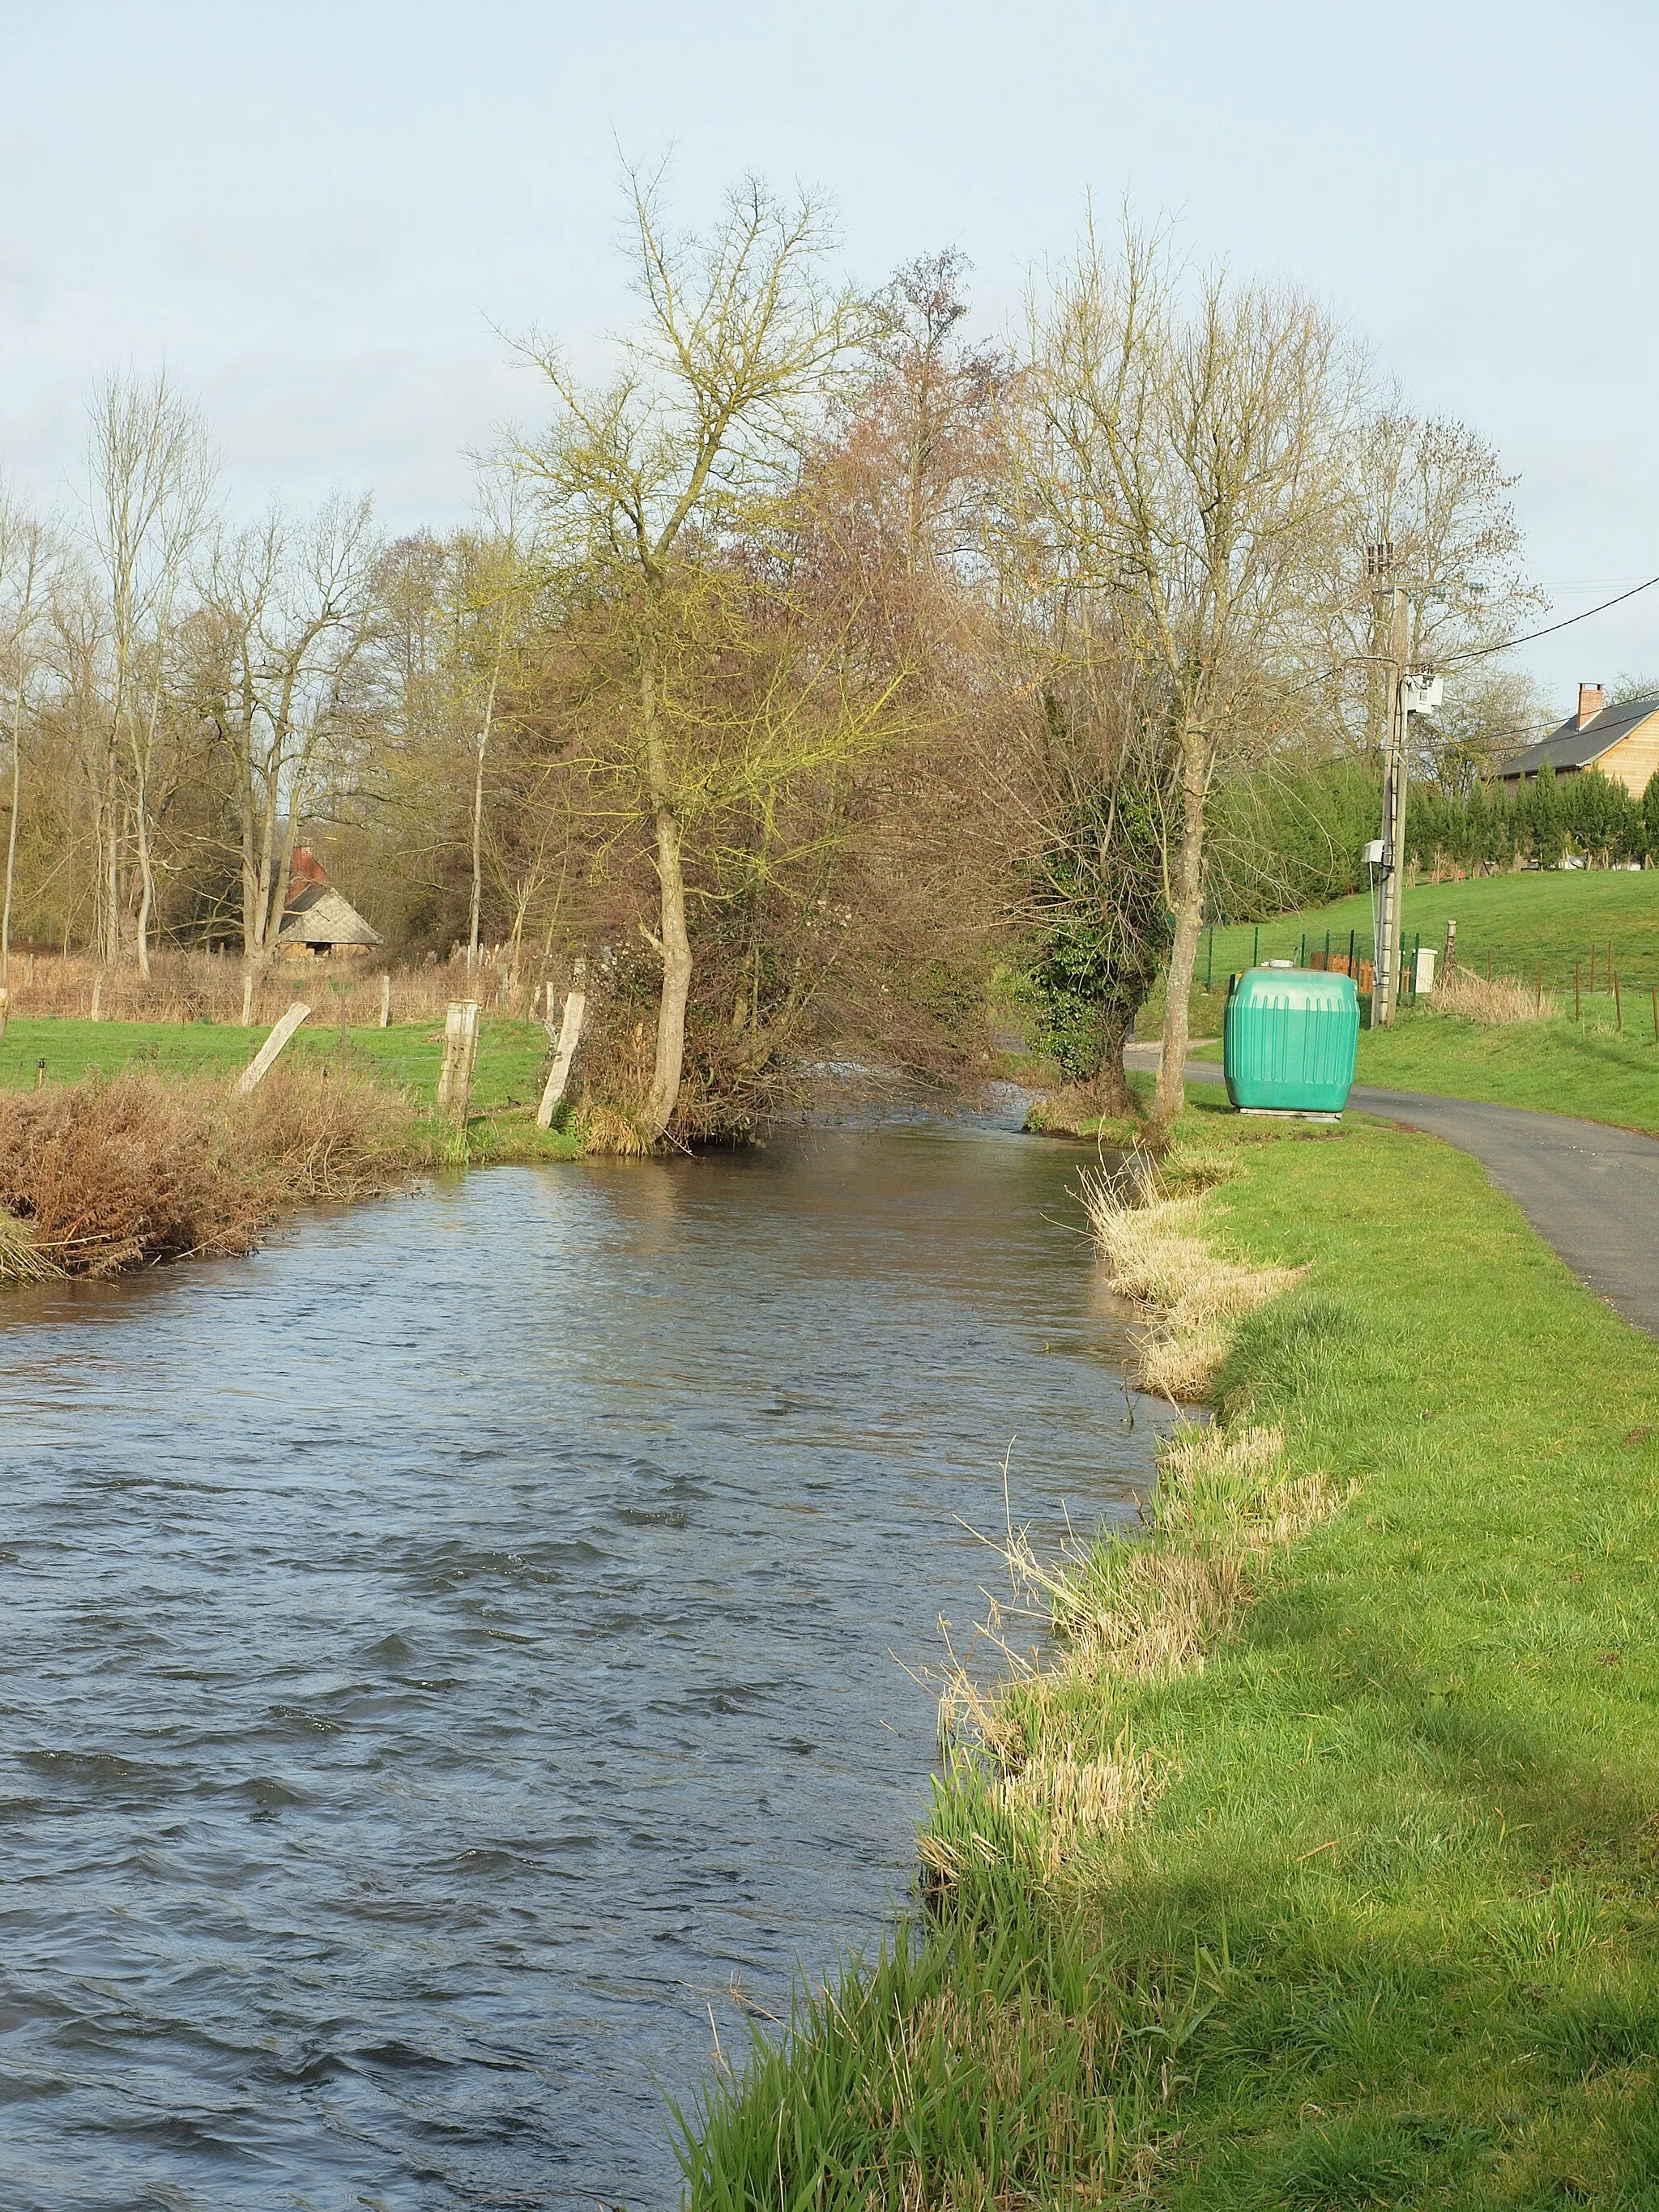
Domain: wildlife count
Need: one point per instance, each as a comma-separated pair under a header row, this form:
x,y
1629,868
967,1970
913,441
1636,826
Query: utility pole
x,y
1393,618
1406,694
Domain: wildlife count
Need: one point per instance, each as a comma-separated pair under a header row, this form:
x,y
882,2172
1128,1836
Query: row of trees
x,y
817,660
1586,815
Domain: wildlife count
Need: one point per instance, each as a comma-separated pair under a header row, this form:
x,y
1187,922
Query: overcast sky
x,y
322,217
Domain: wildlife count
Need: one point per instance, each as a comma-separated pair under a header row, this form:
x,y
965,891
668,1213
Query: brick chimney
x,y
306,868
1591,702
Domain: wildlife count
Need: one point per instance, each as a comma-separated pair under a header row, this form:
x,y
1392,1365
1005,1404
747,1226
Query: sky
x,y
329,221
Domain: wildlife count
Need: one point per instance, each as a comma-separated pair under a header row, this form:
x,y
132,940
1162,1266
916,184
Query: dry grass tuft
x,y
107,1175
1460,991
1154,1253
21,1259
605,1129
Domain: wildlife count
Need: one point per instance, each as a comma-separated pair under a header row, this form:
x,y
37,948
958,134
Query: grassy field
x,y
1557,918
1362,1908
510,1053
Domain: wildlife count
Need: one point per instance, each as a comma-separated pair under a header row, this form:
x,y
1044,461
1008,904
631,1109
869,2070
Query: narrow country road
x,y
1590,1191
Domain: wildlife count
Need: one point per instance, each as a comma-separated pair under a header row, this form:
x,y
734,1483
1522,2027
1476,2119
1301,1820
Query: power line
x,y
1481,651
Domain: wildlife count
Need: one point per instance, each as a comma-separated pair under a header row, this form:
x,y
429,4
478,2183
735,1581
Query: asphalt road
x,y
1590,1191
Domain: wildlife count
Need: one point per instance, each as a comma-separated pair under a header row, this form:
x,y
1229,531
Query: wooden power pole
x,y
1392,619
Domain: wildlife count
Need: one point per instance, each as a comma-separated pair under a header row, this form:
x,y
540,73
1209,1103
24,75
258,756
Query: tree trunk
x,y
676,944
146,877
1188,903
1110,1087
676,978
11,828
477,855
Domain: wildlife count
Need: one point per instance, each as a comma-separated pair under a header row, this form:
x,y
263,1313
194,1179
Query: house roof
x,y
317,914
1572,747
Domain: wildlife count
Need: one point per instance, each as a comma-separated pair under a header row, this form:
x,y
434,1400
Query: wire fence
x,y
1602,986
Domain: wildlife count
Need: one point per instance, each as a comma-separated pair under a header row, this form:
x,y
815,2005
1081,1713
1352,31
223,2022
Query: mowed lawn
x,y
511,1054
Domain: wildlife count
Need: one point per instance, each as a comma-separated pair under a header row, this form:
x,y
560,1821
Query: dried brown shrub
x,y
110,1175
308,1133
105,1175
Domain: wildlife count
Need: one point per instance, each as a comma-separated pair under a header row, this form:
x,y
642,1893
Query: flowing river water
x,y
444,1656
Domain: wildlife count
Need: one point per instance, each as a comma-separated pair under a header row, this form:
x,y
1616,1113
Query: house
x,y
1622,741
316,920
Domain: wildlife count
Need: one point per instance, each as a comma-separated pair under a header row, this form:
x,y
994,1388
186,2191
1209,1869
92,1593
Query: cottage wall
x,y
1634,758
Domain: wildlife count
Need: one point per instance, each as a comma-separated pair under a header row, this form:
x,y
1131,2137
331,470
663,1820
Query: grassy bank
x,y
1318,1866
157,1161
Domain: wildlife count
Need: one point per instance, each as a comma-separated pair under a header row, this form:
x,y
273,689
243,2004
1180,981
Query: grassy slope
x,y
1390,1936
511,1055
1515,918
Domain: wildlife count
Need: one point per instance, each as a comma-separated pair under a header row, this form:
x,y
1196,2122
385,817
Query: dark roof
x,y
1572,747
317,914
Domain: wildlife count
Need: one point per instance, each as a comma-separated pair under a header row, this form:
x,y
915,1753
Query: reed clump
x,y
105,1175
1491,1001
1146,1225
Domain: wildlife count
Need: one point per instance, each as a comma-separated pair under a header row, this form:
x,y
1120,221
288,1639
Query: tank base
x,y
1288,1114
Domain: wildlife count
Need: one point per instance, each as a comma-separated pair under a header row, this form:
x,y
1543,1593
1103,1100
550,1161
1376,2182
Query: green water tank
x,y
1291,1037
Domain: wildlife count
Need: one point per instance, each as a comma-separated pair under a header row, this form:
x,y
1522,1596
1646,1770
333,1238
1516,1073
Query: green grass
x,y
1557,1066
511,1065
1518,920
1390,1936
510,1053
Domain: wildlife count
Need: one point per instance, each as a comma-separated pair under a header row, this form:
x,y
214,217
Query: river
x,y
444,1656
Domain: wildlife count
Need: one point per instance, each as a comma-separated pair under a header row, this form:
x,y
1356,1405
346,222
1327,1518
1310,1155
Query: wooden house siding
x,y
1634,758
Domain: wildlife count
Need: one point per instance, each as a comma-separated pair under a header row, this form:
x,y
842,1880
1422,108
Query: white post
x,y
386,1000
460,1052
570,1030
260,1066
247,998
98,997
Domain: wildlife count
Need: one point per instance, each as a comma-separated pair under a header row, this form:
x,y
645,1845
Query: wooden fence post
x,y
260,1066
98,996
460,1054
570,1030
247,998
386,998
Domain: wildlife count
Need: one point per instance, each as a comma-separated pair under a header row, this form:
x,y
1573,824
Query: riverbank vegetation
x,y
102,1176
1309,1862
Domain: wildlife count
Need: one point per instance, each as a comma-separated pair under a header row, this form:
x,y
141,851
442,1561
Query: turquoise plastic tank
x,y
1292,1036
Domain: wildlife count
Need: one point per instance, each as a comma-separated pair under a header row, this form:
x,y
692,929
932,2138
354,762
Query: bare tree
x,y
1184,448
151,480
28,559
1429,509
700,430
287,611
